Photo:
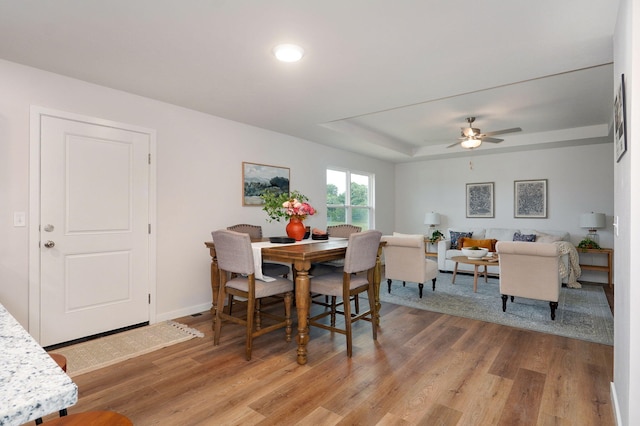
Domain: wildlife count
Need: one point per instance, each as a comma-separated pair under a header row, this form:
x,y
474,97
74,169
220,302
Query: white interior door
x,y
94,229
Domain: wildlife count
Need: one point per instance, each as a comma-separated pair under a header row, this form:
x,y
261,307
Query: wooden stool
x,y
93,418
61,360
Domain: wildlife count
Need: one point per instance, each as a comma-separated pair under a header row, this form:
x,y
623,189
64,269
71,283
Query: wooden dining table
x,y
301,256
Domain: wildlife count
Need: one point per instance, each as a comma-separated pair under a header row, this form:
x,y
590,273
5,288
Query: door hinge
x,y
149,298
149,158
149,229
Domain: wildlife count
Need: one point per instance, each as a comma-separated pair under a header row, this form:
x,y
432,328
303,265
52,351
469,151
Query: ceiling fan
x,y
472,137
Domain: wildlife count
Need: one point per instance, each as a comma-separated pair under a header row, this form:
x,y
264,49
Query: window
x,y
350,198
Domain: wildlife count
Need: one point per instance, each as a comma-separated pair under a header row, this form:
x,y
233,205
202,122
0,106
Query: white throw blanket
x,y
573,271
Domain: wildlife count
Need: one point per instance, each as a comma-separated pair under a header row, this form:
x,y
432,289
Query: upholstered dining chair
x,y
404,260
361,256
529,270
343,230
336,231
237,278
269,269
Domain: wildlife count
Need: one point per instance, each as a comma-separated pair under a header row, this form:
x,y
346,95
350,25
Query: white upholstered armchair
x,y
530,270
405,260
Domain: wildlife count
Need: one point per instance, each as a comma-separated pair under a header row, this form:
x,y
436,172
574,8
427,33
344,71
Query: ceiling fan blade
x,y
502,132
492,140
454,144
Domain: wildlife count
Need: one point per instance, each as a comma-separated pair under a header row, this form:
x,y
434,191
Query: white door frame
x,y
34,207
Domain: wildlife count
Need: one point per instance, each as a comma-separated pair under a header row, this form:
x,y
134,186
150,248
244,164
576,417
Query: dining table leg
x,y
303,301
377,275
215,284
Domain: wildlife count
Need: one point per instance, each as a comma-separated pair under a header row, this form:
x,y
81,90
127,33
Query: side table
x,y
608,269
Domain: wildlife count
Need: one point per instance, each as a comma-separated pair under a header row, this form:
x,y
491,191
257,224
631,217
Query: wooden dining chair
x,y
237,278
343,230
361,255
269,269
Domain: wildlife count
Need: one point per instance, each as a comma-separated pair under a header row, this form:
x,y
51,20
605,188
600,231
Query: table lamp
x,y
432,219
592,221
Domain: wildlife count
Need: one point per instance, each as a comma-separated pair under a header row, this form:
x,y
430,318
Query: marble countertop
x,y
31,383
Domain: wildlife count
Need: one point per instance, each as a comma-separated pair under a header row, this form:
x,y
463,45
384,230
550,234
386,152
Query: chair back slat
x,y
233,251
362,251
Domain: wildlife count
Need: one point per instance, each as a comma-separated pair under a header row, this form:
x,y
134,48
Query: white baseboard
x,y
166,316
616,407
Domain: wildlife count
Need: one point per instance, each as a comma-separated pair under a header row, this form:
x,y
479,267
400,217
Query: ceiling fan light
x,y
288,52
471,143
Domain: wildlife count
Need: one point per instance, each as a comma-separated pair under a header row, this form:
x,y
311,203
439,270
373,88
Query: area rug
x,y
583,313
105,351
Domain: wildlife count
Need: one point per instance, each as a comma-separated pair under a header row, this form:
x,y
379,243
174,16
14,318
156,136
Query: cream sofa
x,y
445,252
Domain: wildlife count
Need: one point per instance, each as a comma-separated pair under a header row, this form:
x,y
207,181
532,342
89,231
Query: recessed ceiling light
x,y
288,52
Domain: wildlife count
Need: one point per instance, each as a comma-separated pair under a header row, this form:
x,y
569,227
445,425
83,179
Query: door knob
x,y
49,244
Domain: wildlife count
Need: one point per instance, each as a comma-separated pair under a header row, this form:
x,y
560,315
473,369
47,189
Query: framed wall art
x,y
480,200
258,178
619,117
530,198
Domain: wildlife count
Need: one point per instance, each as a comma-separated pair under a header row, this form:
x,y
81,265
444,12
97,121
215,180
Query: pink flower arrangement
x,y
285,205
298,209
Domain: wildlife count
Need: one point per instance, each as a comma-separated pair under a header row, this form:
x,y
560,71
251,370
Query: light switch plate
x,y
19,219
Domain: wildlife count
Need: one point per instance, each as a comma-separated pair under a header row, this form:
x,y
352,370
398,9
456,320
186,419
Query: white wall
x,y
626,374
199,174
580,180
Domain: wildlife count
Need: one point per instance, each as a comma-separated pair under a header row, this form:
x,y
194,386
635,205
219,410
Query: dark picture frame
x,y
258,178
620,122
530,199
480,200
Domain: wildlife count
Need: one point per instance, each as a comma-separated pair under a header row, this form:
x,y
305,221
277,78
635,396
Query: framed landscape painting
x,y
619,117
480,200
530,198
258,178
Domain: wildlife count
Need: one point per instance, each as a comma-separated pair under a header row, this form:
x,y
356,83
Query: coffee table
x,y
476,263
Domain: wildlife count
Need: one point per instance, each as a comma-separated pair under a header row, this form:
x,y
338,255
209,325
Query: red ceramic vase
x,y
295,228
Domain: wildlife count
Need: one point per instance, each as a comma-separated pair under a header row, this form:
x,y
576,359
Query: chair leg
x,y
420,287
333,311
504,302
356,304
389,284
230,303
347,322
217,326
434,285
554,306
249,338
373,311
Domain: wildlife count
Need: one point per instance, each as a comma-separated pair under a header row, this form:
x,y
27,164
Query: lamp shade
x,y
592,220
432,218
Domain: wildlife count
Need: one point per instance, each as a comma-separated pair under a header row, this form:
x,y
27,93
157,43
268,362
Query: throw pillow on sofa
x,y
455,236
470,242
524,237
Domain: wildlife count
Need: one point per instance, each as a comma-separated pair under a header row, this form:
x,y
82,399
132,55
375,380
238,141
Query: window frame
x,y
348,207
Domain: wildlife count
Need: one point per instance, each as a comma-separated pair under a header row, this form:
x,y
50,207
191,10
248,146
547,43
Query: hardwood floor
x,y
425,369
